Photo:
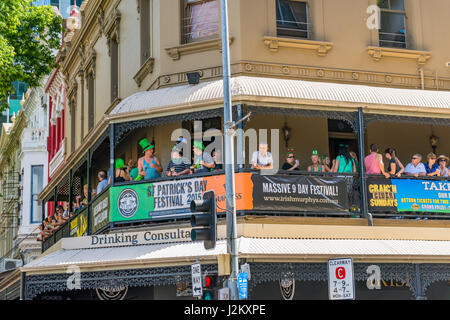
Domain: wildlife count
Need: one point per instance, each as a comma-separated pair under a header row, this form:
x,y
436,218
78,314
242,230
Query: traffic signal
x,y
209,285
207,219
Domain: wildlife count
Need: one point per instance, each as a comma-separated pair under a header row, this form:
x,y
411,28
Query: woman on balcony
x,y
291,163
443,163
316,166
120,174
344,162
395,167
149,166
431,166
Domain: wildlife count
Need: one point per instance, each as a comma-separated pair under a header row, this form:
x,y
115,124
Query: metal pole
x,y
111,153
229,156
363,192
240,139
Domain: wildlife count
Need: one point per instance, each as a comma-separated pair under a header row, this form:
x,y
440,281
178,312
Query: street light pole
x,y
229,155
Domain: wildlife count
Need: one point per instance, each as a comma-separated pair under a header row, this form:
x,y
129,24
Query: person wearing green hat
x,y
203,161
149,166
315,166
120,174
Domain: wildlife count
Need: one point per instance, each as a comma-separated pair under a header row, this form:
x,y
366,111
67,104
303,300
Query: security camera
x,y
447,64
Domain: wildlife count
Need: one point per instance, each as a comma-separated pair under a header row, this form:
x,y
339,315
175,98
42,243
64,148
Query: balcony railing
x,y
287,193
34,138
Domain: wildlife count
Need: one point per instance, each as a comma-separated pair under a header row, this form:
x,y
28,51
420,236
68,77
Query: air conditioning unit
x,y
9,264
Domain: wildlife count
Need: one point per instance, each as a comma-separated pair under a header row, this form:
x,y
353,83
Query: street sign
x,y
197,290
245,268
224,294
341,283
242,285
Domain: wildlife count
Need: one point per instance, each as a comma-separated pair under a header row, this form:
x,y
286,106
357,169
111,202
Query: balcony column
x,y
363,191
112,143
70,191
89,185
111,153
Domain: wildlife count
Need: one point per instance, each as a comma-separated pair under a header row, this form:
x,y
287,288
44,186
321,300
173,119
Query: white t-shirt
x,y
259,159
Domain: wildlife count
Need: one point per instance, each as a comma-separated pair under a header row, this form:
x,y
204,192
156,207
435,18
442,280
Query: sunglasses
x,y
291,157
413,158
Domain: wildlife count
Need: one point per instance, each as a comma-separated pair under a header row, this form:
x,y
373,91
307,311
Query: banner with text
x,y
397,195
299,193
173,198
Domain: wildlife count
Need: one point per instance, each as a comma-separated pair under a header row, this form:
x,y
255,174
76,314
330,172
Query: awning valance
x,y
250,248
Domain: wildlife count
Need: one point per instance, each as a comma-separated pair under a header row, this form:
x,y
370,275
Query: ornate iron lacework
x,y
369,118
430,273
121,128
100,141
38,284
350,117
401,272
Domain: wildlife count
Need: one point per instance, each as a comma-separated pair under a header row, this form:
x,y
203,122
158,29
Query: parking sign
x,y
341,283
242,285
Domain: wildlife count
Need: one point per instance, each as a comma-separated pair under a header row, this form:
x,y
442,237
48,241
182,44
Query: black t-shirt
x,y
287,166
397,169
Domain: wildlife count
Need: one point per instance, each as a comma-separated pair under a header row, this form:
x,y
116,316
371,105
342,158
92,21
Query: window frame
x,y
32,194
184,17
307,15
392,11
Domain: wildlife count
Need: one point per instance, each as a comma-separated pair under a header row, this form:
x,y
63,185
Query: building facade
x,y
324,73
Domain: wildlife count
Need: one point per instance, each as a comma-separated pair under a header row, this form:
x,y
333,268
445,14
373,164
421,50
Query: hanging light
x,y
286,133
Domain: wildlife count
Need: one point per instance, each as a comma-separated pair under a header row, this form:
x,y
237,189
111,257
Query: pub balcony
x,y
286,194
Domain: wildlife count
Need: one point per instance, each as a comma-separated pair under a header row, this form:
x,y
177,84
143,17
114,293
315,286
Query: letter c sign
x,y
340,273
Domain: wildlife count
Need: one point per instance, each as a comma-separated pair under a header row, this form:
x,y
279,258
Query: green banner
x,y
133,202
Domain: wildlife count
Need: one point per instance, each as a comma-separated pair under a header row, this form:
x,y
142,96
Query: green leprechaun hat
x,y
199,145
119,163
145,144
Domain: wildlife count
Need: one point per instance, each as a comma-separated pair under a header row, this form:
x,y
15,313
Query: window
x,y
114,69
91,88
37,183
201,20
72,125
145,30
393,31
292,18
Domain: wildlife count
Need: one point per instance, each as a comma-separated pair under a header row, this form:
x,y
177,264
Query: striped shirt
x,y
179,165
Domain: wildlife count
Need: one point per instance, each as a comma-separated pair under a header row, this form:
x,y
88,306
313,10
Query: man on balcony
x,y
416,167
203,162
178,165
103,182
262,159
149,166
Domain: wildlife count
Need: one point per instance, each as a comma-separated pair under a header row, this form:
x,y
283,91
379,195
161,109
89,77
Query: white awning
x,y
246,87
303,249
